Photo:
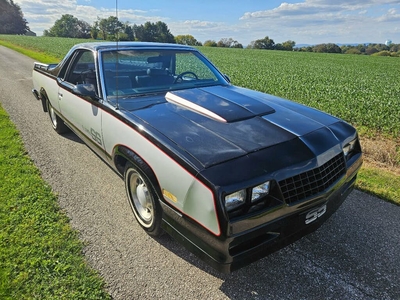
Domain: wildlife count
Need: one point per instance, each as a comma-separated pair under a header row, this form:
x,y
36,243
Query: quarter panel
x,y
49,84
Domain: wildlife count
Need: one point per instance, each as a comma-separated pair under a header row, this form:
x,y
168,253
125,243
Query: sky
x,y
303,21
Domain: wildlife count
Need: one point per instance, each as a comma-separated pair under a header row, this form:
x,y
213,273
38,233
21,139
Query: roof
x,y
114,45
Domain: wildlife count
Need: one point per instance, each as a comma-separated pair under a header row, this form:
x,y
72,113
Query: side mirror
x,y
85,90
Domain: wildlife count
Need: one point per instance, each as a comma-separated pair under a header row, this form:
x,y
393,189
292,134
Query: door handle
x,y
60,95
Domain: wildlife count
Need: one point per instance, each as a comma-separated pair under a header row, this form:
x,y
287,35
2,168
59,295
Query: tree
x,y
94,31
187,40
109,28
352,50
69,26
251,45
153,32
210,43
265,43
371,50
327,48
236,44
11,18
288,45
127,32
224,43
83,29
229,43
395,47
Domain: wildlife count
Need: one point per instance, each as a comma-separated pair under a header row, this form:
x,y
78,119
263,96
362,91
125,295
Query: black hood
x,y
220,123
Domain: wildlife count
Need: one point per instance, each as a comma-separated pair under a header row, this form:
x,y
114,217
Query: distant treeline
x,y
366,49
112,29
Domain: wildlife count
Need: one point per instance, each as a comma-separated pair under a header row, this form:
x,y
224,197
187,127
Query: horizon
x,y
308,22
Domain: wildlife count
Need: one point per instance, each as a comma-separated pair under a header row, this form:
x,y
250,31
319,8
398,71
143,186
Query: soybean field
x,y
363,90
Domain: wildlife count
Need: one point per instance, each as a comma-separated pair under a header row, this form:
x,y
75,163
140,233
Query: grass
x,y
40,255
378,182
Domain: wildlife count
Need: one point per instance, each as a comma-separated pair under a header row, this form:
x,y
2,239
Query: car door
x,y
82,114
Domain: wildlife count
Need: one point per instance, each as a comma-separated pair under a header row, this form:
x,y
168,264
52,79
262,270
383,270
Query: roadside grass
x,y
381,183
40,255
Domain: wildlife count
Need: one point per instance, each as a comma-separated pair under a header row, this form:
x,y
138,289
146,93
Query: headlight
x,y
260,191
349,147
235,200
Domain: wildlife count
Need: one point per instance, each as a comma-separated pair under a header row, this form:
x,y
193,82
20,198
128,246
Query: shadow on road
x,y
354,255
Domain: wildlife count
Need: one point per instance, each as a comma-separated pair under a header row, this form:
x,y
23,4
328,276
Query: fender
x,y
122,154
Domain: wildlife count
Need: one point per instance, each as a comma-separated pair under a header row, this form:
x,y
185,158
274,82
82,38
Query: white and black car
x,y
232,174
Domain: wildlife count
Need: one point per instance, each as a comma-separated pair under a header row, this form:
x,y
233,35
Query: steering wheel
x,y
179,78
84,74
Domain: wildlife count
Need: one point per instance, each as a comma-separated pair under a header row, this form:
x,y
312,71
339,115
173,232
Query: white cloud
x,y
317,21
42,14
308,21
392,16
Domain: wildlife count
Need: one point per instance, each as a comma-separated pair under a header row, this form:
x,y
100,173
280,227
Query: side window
x,y
82,69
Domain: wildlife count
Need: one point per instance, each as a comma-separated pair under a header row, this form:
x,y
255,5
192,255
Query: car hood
x,y
221,123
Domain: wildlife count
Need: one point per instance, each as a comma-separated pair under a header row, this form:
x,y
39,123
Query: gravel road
x,y
354,255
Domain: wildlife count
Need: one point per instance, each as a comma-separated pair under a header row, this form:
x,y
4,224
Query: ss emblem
x,y
315,214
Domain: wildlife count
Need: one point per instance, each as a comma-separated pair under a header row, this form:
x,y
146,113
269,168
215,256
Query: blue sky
x,y
303,21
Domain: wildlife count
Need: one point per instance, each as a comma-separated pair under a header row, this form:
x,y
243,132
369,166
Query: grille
x,y
314,181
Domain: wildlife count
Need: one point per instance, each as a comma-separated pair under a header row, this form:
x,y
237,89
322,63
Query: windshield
x,y
136,72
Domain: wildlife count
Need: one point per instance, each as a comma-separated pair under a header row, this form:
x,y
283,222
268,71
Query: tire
x,y
56,122
142,196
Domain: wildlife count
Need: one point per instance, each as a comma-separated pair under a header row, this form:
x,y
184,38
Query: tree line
x,y
360,49
110,29
12,21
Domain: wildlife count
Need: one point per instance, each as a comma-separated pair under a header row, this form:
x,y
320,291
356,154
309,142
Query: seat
x,y
114,83
143,80
122,82
155,77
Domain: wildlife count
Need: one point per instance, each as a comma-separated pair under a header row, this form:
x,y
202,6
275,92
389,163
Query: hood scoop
x,y
175,99
219,103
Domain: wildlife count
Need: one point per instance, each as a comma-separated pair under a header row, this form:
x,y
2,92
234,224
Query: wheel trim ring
x,y
53,116
140,199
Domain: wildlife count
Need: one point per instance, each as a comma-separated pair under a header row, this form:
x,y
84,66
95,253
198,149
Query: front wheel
x,y
142,197
57,123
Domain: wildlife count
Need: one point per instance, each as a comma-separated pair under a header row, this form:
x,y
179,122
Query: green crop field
x,y
363,90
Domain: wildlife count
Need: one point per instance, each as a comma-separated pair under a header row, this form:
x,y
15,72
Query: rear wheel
x,y
142,196
56,121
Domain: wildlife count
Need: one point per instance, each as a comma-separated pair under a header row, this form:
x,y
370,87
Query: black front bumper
x,y
277,229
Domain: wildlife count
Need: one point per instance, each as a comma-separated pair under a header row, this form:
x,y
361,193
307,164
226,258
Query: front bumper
x,y
276,229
